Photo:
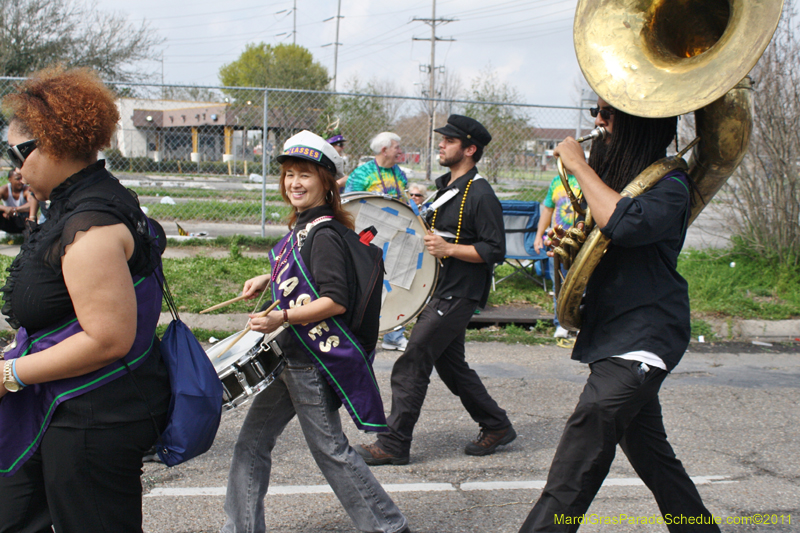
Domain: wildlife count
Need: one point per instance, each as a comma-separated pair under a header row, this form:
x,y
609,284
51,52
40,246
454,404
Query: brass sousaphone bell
x,y
664,58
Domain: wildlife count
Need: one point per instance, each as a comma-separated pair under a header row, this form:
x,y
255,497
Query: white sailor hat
x,y
310,146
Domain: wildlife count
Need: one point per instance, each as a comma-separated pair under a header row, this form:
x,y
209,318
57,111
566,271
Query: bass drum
x,y
411,272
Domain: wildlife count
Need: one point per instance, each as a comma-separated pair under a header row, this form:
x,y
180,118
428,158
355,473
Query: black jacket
x,y
481,227
635,299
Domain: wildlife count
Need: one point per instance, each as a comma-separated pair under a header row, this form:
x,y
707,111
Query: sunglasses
x,y
605,113
18,153
416,195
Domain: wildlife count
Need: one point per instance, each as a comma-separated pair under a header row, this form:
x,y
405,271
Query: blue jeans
x,y
393,337
302,391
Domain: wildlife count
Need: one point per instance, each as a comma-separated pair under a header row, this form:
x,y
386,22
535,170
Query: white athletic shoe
x,y
561,333
401,345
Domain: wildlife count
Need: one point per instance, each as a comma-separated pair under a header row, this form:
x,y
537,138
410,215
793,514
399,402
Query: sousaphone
x,y
663,58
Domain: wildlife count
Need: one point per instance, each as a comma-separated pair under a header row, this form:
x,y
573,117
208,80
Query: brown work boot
x,y
488,441
374,455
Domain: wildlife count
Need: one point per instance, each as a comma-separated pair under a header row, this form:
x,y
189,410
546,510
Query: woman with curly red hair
x,y
85,391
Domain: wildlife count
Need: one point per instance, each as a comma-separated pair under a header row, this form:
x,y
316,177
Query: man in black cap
x,y
468,237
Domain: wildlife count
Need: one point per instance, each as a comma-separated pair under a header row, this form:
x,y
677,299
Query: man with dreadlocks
x,y
631,339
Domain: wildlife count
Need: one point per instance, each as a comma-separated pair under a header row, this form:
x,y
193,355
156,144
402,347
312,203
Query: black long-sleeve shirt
x,y
481,227
636,299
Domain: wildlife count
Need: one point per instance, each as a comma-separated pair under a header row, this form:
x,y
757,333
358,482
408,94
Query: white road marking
x,y
275,490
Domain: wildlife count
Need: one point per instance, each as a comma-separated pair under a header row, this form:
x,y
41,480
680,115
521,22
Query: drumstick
x,y
247,328
427,229
223,304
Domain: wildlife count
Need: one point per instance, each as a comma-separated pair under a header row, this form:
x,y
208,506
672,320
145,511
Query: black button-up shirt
x,y
481,227
636,299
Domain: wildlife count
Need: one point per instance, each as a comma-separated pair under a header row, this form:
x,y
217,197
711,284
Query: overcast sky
x,y
528,43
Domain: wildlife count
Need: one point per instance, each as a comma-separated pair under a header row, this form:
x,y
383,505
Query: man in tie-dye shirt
x,y
556,209
382,175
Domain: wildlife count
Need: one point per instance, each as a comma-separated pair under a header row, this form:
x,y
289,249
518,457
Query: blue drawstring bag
x,y
195,407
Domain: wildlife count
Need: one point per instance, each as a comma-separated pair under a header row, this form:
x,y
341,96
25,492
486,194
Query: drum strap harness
x,y
331,345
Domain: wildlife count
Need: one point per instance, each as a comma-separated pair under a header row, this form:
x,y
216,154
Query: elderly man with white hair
x,y
381,175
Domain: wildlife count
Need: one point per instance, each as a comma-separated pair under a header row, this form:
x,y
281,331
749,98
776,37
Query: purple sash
x,y
331,345
25,415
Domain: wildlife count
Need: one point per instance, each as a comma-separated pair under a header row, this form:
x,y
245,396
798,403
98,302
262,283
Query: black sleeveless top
x,y
36,295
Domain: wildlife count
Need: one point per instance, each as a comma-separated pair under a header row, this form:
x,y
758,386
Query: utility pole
x,y
433,21
294,23
336,43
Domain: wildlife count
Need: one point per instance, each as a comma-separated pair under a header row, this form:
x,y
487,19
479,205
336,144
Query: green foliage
x,y
246,241
512,334
520,290
199,282
286,66
231,195
214,211
202,334
701,327
752,288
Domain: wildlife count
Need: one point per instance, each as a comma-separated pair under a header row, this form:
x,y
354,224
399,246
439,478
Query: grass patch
x,y
216,194
753,288
519,290
199,282
245,241
202,334
701,327
514,334
216,211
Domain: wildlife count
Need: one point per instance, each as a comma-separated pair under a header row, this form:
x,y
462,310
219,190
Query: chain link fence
x,y
203,157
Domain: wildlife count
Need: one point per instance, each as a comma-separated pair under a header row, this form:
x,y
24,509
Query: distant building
x,y
541,147
198,131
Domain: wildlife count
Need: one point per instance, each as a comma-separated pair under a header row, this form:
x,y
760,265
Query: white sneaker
x,y
561,333
401,345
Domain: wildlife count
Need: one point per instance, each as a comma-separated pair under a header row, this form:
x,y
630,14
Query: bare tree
x,y
37,33
508,124
766,188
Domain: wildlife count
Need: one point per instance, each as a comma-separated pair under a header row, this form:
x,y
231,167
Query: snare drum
x,y
411,272
249,367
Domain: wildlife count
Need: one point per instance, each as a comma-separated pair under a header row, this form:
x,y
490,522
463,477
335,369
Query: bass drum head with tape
x,y
411,272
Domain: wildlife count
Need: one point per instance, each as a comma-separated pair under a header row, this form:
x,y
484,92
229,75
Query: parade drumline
x,y
368,261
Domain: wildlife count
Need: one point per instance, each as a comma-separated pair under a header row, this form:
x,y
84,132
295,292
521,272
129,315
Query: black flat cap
x,y
465,128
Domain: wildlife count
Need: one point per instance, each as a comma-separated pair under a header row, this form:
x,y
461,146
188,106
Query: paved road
x,y
731,416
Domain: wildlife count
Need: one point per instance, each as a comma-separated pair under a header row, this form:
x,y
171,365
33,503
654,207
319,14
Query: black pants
x,y
619,405
437,340
13,224
79,480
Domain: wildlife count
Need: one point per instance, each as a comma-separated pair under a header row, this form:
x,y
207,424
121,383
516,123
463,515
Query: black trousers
x,y
79,480
437,340
13,224
619,405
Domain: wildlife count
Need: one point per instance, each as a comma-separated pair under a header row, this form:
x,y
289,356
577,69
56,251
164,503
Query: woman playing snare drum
x,y
309,279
